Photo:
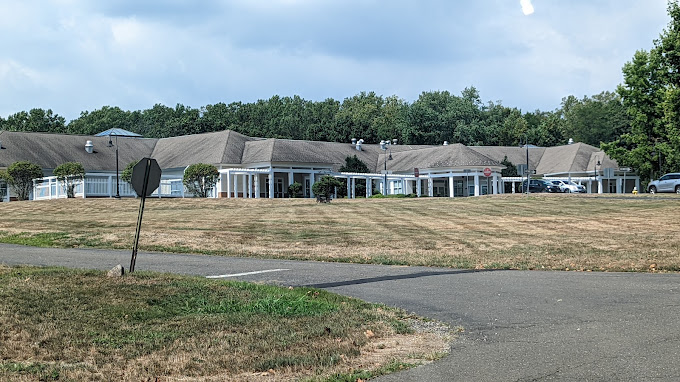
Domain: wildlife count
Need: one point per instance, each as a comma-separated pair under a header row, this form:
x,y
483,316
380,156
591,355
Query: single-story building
x,y
264,168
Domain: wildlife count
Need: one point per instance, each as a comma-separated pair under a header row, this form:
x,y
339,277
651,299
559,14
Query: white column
x,y
599,185
235,186
430,187
250,186
290,180
257,185
110,186
495,183
311,184
618,186
245,185
451,195
369,187
271,183
418,187
589,187
513,187
349,187
476,184
637,185
228,184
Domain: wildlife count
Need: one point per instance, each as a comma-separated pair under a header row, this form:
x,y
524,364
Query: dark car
x,y
540,185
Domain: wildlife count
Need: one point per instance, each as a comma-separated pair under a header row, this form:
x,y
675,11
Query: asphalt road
x,y
519,326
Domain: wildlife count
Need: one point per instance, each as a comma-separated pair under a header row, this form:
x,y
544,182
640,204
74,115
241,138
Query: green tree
x,y
3,185
37,120
326,186
68,173
594,120
200,178
126,175
650,94
20,177
353,164
510,168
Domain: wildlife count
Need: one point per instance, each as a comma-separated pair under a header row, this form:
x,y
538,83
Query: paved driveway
x,y
519,326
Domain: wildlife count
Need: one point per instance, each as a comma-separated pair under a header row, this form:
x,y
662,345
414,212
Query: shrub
x,y
199,178
20,175
325,186
68,173
295,190
126,175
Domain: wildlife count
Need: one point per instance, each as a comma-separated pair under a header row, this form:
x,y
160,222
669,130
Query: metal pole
x,y
133,260
526,143
385,183
117,180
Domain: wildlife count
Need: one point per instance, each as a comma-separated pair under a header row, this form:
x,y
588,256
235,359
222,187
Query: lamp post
x,y
117,181
596,165
384,146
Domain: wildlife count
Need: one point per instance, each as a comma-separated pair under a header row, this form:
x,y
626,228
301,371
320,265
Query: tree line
x,y
435,117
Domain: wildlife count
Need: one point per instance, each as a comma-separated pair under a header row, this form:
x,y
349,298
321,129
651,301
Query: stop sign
x,y
139,174
487,172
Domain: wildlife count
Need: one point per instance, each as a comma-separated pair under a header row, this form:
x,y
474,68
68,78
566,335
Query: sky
x,y
80,55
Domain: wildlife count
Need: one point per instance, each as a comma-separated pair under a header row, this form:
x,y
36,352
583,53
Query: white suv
x,y
667,183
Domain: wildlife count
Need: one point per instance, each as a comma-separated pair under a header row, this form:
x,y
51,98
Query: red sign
x,y
416,172
487,172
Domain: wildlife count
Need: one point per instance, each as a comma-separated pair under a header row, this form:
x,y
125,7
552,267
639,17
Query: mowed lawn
x,y
566,232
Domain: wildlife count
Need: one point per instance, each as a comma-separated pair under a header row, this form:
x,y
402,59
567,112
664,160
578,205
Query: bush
x,y
199,178
20,175
126,175
326,186
68,173
295,190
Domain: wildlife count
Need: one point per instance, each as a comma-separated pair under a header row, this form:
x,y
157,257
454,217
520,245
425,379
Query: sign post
x,y
146,177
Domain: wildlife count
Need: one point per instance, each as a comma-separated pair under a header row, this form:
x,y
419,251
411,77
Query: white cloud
x,y
527,7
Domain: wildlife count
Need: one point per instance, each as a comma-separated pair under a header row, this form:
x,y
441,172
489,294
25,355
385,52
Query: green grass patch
x,y
147,325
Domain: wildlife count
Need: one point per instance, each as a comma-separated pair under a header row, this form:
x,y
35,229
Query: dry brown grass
x,y
58,324
575,232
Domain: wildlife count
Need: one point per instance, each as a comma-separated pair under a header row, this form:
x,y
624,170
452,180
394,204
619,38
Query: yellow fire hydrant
x,y
634,190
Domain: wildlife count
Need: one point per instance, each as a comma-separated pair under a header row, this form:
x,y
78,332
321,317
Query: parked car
x,y
569,186
540,185
667,183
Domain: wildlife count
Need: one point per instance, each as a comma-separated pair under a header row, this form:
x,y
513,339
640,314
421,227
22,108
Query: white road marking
x,y
246,273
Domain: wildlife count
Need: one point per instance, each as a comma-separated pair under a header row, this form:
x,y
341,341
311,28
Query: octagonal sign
x,y
140,178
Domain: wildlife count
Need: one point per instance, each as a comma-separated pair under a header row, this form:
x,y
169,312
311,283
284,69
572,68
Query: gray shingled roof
x,y
574,158
292,151
222,147
455,155
516,155
233,149
50,150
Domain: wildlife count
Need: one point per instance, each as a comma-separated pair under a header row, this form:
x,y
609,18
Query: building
x,y
264,168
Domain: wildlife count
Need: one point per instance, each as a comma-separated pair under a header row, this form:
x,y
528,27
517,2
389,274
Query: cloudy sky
x,y
76,55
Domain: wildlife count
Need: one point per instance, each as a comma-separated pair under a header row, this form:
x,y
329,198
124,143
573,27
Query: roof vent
x,y
446,143
89,147
359,143
354,141
571,141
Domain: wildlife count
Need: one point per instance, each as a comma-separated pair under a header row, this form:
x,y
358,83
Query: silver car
x,y
667,183
569,186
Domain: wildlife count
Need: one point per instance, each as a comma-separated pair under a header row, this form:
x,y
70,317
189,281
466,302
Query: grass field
x,y
565,232
59,324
